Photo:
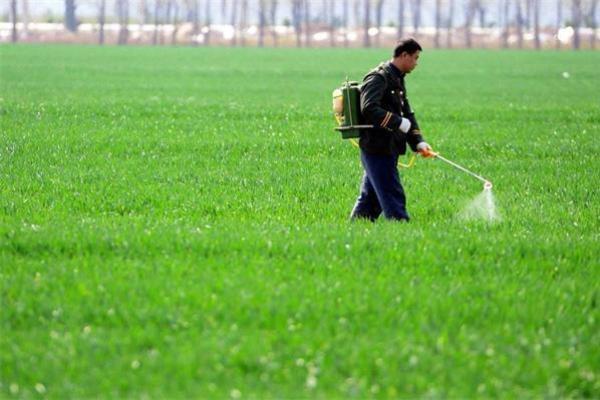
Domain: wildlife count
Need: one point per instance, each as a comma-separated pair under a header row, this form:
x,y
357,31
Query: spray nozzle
x,y
487,185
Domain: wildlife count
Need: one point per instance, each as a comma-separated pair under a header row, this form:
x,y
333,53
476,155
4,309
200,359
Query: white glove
x,y
423,146
425,150
405,125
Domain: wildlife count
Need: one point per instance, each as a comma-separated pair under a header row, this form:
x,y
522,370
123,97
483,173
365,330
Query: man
x,y
384,104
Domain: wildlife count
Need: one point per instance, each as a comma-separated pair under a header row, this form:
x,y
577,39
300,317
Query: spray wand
x,y
487,185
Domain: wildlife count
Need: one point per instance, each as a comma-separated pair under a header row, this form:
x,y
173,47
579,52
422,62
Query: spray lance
x,y
487,185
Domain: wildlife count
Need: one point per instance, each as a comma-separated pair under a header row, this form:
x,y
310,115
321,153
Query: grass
x,y
173,223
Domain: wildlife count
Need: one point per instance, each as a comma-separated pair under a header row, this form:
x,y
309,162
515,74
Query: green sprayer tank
x,y
346,108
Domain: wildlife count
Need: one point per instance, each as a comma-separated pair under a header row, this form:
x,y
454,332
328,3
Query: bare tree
x,y
70,19
332,23
519,22
157,8
356,8
438,22
481,12
175,22
450,24
297,21
307,22
208,21
243,22
559,10
470,7
345,21
234,8
223,9
166,18
273,21
576,13
144,12
527,14
536,24
25,17
261,23
378,20
593,23
506,22
367,38
101,20
123,17
195,17
13,17
400,19
142,9
416,14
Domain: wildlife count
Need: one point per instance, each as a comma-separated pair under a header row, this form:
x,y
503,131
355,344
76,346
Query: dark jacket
x,y
383,103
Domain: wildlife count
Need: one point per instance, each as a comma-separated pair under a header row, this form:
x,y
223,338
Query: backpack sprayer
x,y
346,109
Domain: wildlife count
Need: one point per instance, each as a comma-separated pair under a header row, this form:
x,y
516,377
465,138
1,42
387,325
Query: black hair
x,y
407,45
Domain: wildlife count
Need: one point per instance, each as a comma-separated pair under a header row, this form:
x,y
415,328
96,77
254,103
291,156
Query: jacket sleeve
x,y
371,94
414,136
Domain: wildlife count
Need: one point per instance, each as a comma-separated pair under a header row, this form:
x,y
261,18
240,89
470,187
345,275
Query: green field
x,y
174,223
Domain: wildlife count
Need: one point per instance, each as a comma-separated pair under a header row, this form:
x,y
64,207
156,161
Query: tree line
x,y
453,20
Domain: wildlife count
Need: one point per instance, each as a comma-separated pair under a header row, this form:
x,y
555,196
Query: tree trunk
x,y
273,22
297,21
469,14
70,19
576,12
261,23
416,11
208,19
233,20
345,22
559,8
101,21
536,24
13,16
166,19
400,19
144,12
438,21
519,24
175,23
481,11
156,22
593,24
195,21
506,24
356,8
366,38
307,21
378,21
332,23
243,22
123,16
25,17
450,24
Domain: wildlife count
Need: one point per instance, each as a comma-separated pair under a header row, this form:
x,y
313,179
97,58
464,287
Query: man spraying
x,y
384,104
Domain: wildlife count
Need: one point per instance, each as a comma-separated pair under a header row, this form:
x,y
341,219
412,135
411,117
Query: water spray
x,y
487,185
481,207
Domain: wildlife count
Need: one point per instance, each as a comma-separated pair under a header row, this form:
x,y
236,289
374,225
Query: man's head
x,y
406,55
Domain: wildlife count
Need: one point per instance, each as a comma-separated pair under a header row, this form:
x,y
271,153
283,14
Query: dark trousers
x,y
380,190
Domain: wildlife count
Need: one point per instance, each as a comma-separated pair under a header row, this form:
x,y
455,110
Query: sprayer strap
x,y
411,162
